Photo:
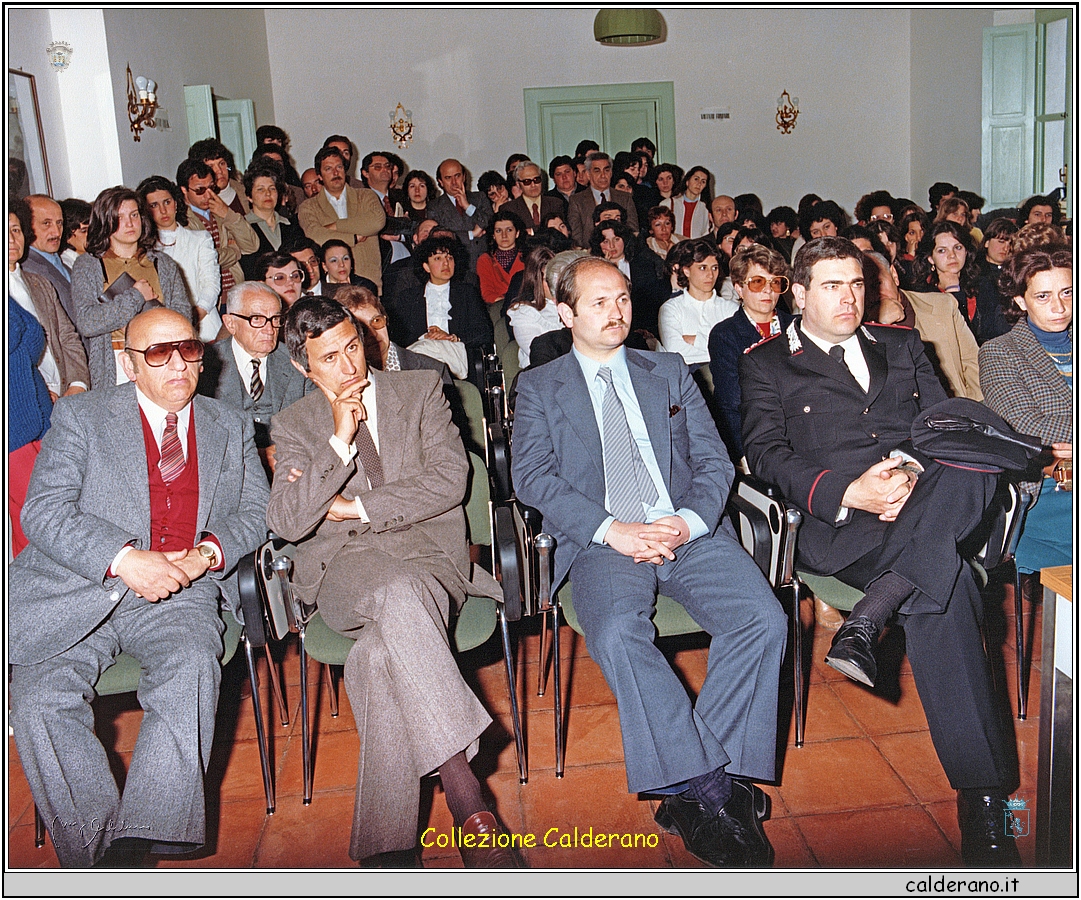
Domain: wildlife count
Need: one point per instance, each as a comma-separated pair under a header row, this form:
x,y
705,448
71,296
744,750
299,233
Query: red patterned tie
x,y
227,280
536,215
386,207
171,461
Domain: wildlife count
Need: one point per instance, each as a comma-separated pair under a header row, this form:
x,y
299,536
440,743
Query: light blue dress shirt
x,y
621,381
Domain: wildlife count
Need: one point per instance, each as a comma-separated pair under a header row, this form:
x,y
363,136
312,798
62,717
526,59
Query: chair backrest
x,y
1003,525
266,608
766,527
476,501
511,365
472,407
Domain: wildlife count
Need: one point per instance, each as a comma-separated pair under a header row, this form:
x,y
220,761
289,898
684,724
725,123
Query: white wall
x,y
29,33
947,97
225,48
462,72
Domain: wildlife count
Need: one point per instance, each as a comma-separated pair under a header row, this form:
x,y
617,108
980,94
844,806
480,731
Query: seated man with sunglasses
x,y
534,207
250,370
144,498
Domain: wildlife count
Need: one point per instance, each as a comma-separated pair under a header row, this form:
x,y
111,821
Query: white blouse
x,y
529,323
683,314
194,252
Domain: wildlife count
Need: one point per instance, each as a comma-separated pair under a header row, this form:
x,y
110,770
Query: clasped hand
x,y
652,542
880,490
154,575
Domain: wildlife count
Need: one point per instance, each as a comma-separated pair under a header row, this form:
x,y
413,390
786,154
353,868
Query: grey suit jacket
x,y
580,212
89,496
283,384
443,210
96,321
425,471
60,334
558,465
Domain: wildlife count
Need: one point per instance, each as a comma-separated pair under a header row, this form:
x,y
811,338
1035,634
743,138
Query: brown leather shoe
x,y
485,854
827,617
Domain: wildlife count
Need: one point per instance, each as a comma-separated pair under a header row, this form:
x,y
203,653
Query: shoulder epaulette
x,y
764,340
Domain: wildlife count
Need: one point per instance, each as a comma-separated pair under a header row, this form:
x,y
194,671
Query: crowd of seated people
x,y
316,290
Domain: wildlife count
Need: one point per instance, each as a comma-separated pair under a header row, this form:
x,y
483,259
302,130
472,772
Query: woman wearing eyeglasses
x,y
192,250
760,275
119,276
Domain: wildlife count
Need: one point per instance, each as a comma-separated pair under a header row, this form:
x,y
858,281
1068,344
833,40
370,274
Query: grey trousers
x,y
178,641
413,709
733,723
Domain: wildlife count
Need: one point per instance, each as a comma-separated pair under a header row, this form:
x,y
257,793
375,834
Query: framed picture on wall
x,y
28,166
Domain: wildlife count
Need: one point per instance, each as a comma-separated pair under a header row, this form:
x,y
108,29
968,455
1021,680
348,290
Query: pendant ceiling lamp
x,y
628,26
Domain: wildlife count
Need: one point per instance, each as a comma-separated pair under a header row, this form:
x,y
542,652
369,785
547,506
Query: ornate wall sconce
x,y
787,113
401,125
142,103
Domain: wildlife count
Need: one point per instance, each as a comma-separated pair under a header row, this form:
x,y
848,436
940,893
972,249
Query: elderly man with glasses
x,y
144,499
250,370
534,207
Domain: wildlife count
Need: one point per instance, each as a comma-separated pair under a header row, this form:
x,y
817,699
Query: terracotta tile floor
x,y
866,790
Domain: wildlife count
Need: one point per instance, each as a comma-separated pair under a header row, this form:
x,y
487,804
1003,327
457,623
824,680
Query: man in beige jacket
x,y
353,215
946,337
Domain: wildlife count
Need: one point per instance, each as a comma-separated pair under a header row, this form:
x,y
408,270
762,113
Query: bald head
x,y
47,221
156,322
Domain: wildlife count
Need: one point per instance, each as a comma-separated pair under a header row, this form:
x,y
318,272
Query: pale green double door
x,y
613,115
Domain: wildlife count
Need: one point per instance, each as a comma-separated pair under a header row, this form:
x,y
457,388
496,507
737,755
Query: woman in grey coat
x,y
118,277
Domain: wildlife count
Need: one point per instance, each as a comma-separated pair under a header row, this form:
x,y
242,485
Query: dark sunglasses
x,y
260,321
778,284
536,180
157,355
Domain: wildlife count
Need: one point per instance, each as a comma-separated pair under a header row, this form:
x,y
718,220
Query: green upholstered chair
x,y
509,357
499,326
122,677
472,408
476,622
767,530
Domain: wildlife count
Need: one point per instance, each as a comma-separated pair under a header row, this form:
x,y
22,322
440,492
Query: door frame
x,y
663,92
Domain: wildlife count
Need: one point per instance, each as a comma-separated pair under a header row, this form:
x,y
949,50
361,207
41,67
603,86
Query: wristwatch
x,y
210,553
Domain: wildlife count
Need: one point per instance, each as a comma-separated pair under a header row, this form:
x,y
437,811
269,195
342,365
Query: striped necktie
x,y
629,484
171,462
256,386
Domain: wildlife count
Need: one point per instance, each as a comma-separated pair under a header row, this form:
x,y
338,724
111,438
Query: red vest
x,y
174,507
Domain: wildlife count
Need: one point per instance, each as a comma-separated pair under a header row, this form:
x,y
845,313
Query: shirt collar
x,y
155,416
203,213
850,343
617,363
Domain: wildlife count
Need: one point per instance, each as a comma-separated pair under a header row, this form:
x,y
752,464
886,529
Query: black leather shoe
x,y
986,843
733,838
853,650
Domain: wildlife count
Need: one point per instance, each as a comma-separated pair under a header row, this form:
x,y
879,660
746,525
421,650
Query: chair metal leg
x,y
332,688
508,659
39,828
797,661
276,686
260,734
558,688
1022,669
305,733
542,669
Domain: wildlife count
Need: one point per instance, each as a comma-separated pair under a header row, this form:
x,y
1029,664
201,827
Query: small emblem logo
x,y
1017,821
59,55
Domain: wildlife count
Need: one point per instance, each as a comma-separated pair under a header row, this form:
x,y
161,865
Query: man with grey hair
x,y
250,369
581,205
533,208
